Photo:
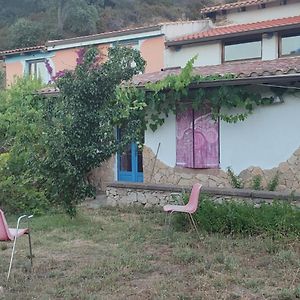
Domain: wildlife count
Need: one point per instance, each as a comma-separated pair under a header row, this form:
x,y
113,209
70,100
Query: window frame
x,y
284,34
242,40
34,62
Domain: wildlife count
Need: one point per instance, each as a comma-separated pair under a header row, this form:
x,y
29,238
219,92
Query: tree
x,y
81,122
22,188
76,16
25,33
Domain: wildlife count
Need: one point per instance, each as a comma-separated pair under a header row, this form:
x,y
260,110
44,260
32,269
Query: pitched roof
x,y
242,70
21,50
230,30
102,35
233,5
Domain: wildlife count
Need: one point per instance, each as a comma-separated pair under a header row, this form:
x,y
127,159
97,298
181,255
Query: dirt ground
x,y
129,254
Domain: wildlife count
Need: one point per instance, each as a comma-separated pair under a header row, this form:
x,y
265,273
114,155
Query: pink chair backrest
x,y
4,231
194,197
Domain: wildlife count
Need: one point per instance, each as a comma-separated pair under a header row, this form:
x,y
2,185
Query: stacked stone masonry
x,y
126,194
288,172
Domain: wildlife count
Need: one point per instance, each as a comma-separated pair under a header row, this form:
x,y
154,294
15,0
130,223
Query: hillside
x,y
31,22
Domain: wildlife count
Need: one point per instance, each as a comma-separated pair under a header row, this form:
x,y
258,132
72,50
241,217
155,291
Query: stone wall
x,y
288,174
157,195
157,172
101,176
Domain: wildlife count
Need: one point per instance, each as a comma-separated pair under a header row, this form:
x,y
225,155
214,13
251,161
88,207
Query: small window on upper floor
x,y
133,44
37,69
240,50
290,45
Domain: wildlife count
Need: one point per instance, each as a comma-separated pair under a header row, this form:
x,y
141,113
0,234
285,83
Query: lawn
x,y
128,254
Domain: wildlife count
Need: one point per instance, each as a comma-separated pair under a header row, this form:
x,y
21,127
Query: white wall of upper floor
x,y
272,11
211,53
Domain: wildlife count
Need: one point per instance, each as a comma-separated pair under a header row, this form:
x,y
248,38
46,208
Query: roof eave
x,y
231,35
103,36
242,81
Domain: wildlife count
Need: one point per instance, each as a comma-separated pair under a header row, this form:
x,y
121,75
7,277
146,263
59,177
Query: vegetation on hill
x,y
31,22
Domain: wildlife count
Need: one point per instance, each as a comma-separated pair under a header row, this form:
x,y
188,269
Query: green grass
x,y
128,253
232,217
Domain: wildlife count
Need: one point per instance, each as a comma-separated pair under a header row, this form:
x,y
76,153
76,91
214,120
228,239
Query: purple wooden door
x,y
184,139
197,139
206,141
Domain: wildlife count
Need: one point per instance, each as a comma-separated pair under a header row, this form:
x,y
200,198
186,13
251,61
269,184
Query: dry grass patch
x,y
127,254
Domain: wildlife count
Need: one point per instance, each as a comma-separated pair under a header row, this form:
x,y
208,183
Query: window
x,y
197,139
290,44
242,50
37,69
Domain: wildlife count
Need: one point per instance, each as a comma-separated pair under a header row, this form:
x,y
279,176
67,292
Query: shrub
x,y
231,217
256,183
21,186
235,181
273,183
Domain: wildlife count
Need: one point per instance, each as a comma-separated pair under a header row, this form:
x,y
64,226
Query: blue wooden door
x,y
130,164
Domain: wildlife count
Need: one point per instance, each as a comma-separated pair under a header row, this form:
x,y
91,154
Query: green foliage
x,y
21,129
81,123
25,33
256,183
80,18
273,183
167,96
67,18
231,217
2,78
235,181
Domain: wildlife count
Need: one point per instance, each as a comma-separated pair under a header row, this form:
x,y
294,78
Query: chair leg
x,y
195,226
168,221
30,249
11,258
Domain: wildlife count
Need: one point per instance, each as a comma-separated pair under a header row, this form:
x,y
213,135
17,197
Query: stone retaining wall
x,y
151,195
288,172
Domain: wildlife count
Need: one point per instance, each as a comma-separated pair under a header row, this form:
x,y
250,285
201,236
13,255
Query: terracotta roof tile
x,y
233,5
20,50
245,69
239,28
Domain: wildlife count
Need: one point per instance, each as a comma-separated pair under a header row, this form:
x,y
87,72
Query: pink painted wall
x,y
66,59
13,70
152,50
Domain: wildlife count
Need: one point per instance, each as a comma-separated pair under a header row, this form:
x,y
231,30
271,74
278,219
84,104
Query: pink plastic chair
x,y
189,208
11,234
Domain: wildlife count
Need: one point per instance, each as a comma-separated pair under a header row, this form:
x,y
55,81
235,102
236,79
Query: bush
x,y
21,185
231,217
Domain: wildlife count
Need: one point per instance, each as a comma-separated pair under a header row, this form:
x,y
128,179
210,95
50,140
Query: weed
x,y
235,181
286,294
256,183
273,183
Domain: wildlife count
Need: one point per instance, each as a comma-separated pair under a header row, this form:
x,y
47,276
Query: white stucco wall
x,y
266,138
208,54
173,30
271,12
166,136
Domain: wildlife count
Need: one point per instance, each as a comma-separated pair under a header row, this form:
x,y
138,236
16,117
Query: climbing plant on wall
x,y
178,92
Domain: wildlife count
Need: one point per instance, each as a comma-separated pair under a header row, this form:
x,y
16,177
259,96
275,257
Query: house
x,y
258,41
62,54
